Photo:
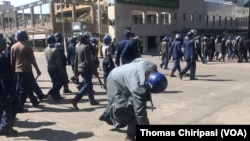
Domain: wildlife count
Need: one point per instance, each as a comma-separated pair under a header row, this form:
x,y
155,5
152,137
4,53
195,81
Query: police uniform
x,y
190,58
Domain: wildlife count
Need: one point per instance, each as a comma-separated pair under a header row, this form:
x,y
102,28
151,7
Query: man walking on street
x,y
84,66
189,55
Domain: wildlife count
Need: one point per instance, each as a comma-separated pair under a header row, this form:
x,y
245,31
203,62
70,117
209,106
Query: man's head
x,y
51,40
192,33
84,37
22,36
165,39
58,36
127,33
106,39
157,82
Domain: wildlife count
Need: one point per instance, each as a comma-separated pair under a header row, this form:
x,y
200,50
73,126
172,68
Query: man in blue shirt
x,y
127,49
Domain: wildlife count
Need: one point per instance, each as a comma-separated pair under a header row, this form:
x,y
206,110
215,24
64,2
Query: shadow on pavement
x,y
55,135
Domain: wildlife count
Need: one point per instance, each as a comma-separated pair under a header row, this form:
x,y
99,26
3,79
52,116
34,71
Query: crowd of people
x,y
128,79
193,48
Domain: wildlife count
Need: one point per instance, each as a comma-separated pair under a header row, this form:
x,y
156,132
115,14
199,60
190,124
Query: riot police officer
x,y
84,66
59,44
189,55
176,53
55,68
8,96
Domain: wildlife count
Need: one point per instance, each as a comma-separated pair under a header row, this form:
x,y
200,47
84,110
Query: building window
x,y
175,17
200,19
184,16
137,19
151,19
165,18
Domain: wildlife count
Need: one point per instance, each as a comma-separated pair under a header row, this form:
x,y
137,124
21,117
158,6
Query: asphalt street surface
x,y
221,95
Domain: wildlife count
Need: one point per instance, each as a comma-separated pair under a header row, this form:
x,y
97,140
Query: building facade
x,y
46,17
154,19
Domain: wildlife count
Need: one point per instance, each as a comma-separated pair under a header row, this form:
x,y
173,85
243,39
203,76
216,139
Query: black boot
x,y
74,103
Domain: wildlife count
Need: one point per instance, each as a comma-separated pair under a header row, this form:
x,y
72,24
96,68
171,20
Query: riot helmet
x,y
157,82
84,37
192,33
51,39
58,36
22,36
93,40
11,39
165,38
106,39
178,37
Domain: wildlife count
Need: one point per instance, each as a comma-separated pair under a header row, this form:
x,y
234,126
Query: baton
x,y
101,83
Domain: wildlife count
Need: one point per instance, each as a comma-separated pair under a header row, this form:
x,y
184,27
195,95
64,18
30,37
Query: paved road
x,y
220,96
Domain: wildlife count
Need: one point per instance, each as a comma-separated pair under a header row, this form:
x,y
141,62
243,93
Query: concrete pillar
x,y
93,13
157,17
24,23
74,12
52,11
3,22
16,19
41,14
9,24
144,17
32,17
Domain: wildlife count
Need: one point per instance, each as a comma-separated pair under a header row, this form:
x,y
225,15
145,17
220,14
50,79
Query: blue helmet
x,y
58,35
84,37
22,35
166,39
93,40
51,39
106,39
157,82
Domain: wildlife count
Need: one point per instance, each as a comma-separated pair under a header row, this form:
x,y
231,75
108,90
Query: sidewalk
x,y
219,96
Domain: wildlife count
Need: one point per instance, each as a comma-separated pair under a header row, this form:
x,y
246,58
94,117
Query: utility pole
x,y
248,31
62,20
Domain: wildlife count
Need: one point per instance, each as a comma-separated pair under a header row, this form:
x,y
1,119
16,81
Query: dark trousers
x,y
107,66
164,60
57,82
23,88
86,87
176,65
190,65
131,129
7,116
